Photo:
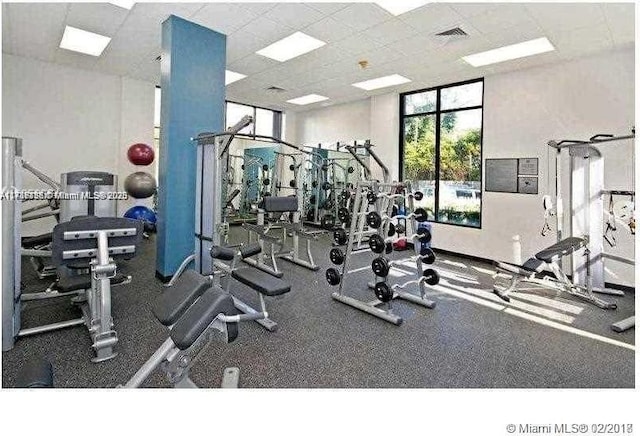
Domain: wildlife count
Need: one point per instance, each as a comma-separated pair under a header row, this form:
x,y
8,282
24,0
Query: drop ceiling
x,y
404,44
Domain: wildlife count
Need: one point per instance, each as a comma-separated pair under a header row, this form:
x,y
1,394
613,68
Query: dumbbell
x,y
333,276
383,292
380,266
378,245
340,236
427,255
336,256
431,276
328,221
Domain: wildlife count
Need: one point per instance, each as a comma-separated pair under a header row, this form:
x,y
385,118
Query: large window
x,y
441,150
266,122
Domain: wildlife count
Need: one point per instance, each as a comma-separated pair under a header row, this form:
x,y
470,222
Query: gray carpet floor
x,y
470,340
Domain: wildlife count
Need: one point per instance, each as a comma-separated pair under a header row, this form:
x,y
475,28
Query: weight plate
x,y
336,256
333,276
383,292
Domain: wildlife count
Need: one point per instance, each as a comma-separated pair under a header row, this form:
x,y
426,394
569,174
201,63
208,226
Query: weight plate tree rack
x,y
382,196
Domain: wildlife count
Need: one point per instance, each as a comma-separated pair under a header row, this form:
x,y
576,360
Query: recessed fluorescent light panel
x,y
290,47
308,99
232,76
399,7
83,42
382,82
509,52
123,4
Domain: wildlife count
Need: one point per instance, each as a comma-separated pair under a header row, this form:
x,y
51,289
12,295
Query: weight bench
x,y
278,206
265,285
536,270
193,309
83,252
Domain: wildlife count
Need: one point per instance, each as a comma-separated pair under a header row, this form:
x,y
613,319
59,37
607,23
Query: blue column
x,y
193,92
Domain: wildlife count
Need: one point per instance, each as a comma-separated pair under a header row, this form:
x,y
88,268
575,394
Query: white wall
x,y
522,111
72,119
345,122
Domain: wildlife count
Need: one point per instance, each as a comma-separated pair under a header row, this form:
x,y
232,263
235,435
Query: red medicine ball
x,y
140,154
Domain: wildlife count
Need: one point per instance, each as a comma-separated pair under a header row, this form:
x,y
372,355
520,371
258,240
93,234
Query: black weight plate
x,y
336,256
376,243
380,266
383,292
333,276
431,276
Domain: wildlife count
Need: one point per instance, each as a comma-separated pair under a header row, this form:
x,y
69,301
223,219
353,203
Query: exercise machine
x,y
84,251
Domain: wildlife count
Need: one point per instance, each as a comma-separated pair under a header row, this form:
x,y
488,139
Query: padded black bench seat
x,y
260,281
560,249
201,314
174,301
70,283
280,204
37,241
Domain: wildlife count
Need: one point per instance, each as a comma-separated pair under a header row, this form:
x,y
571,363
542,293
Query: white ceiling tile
x,y
433,18
295,15
417,45
357,44
252,64
258,8
473,9
585,40
514,34
559,17
101,18
243,43
328,30
156,13
37,28
328,8
381,56
267,29
390,31
361,16
223,17
504,16
621,21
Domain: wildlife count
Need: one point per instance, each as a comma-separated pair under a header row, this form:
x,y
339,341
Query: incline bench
x,y
263,283
192,309
547,260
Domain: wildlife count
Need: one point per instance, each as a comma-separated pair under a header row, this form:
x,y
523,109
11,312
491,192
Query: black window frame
x,y
277,121
438,113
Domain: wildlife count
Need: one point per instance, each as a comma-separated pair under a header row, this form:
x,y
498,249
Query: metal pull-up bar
x,y
595,139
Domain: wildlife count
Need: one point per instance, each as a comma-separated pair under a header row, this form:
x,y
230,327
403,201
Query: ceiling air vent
x,y
456,31
275,89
